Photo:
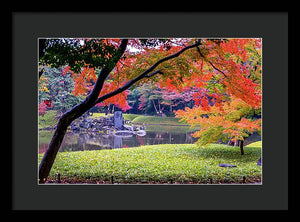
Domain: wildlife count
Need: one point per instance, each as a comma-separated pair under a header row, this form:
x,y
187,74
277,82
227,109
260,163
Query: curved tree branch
x,y
145,73
198,49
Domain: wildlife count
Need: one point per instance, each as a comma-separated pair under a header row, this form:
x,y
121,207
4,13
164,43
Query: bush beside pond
x,y
48,120
168,163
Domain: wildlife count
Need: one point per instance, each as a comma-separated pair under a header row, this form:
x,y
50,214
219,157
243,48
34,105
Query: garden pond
x,y
96,141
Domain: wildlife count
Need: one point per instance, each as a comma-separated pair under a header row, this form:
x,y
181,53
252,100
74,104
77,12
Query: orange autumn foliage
x,y
229,122
83,84
119,100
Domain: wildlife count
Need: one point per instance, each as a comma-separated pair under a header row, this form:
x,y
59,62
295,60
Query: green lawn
x,y
176,163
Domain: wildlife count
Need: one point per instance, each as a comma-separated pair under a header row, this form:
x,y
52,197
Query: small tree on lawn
x,y
230,123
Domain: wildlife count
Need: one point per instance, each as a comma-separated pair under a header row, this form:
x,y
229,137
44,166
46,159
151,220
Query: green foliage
x,y
256,61
181,163
48,120
239,112
61,52
211,135
59,89
133,100
45,136
145,99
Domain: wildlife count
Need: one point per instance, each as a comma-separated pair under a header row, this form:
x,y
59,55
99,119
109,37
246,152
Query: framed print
x,y
150,111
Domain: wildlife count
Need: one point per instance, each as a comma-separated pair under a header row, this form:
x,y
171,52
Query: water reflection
x,y
96,141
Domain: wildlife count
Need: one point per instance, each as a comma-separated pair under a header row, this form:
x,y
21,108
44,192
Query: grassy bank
x,y
167,124
140,119
48,120
169,128
158,120
176,163
125,116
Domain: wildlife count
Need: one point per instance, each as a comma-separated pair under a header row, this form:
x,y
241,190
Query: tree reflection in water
x,y
97,141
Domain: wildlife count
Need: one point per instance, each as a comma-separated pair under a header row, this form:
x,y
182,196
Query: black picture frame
x,y
272,27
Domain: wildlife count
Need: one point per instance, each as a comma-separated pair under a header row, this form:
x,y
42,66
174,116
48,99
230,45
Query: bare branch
x,y
217,68
198,49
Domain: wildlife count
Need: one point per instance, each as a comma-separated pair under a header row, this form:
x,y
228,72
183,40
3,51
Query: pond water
x,y
96,141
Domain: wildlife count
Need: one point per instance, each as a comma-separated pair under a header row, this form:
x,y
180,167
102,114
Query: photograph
x,y
149,111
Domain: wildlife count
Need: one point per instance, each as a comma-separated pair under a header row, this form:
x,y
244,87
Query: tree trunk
x,y
50,154
229,142
113,109
41,73
159,108
242,147
155,107
107,110
236,143
64,121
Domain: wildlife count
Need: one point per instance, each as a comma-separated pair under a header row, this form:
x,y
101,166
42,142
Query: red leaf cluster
x,y
42,108
119,100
